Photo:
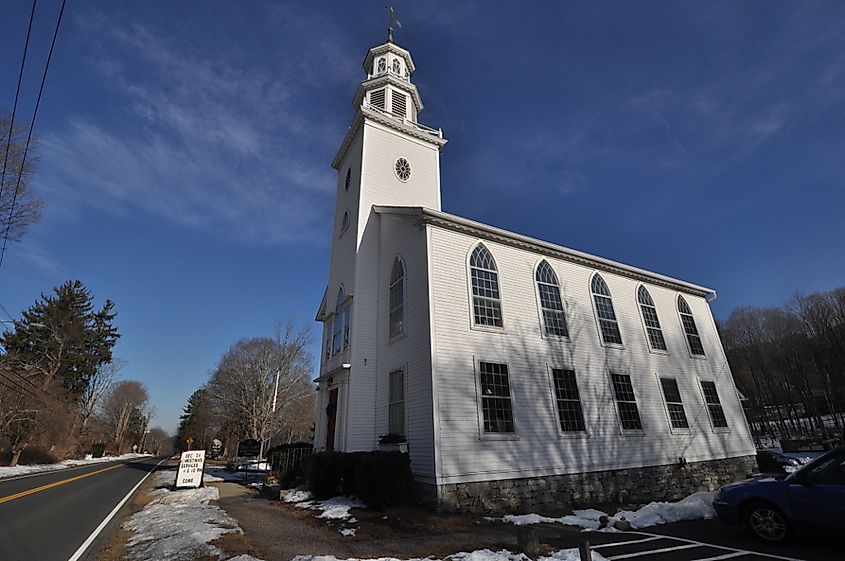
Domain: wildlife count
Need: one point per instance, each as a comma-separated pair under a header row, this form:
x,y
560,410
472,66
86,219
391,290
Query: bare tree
x,y
27,207
242,387
127,402
158,441
98,386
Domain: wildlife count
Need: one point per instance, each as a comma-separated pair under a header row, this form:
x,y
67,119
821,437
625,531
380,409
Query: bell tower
x,y
386,158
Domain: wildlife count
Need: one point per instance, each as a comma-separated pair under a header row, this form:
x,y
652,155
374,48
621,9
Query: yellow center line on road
x,y
55,484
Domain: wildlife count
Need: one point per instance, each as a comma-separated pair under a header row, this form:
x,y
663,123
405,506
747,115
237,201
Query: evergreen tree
x,y
195,422
61,340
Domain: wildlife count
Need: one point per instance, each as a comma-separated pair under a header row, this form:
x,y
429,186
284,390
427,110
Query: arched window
x,y
348,179
554,320
397,298
397,67
344,224
486,302
382,65
652,324
340,333
690,329
604,310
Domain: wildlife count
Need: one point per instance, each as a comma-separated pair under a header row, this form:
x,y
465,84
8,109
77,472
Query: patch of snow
x,y
336,508
208,478
349,531
477,555
179,525
295,495
698,506
7,471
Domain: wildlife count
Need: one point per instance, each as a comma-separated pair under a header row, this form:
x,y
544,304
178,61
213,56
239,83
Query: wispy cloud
x,y
212,143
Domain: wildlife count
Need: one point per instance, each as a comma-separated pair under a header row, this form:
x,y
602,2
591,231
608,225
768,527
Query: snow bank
x,y
179,525
477,555
698,506
36,468
588,518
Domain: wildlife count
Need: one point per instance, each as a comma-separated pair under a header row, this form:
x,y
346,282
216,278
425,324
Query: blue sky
x,y
185,149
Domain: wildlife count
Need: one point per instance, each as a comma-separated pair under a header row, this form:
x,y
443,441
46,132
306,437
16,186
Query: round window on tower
x,y
402,169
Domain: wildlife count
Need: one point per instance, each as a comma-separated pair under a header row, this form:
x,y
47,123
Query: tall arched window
x,y
348,179
486,302
397,298
652,324
604,310
690,329
340,333
554,320
382,65
397,67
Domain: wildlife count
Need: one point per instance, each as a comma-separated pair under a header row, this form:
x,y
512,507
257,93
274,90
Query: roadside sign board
x,y
249,448
191,465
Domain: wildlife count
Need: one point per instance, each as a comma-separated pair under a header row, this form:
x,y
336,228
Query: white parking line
x,y
653,551
736,550
725,556
613,544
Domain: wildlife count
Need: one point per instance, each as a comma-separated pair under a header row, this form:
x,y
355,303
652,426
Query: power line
x,y
29,134
17,95
6,311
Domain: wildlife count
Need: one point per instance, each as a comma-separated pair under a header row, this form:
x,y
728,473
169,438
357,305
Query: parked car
x,y
770,461
772,508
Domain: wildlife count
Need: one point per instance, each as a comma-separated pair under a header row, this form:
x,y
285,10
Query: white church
x,y
517,373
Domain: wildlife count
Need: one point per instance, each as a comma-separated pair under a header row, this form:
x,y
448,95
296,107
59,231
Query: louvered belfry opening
x,y
400,104
377,99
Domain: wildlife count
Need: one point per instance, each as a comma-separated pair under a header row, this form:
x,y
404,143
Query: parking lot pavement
x,y
704,540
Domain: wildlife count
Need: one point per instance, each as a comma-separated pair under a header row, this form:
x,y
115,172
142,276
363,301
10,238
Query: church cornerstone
x,y
555,493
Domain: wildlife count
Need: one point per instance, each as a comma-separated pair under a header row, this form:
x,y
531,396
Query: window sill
x,y
572,435
487,328
498,436
658,352
613,346
721,430
680,432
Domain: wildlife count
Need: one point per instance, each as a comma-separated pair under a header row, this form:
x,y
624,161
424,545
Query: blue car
x,y
810,500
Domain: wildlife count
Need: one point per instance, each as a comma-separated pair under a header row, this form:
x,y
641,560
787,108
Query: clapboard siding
x,y
410,349
538,447
357,263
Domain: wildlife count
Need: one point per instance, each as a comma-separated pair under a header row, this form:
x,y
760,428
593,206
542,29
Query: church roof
x,y
485,231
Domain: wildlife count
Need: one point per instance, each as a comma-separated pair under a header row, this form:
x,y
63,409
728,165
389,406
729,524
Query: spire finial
x,y
394,19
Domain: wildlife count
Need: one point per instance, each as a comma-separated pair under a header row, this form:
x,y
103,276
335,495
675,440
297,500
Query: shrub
x,y
324,473
383,478
98,449
378,478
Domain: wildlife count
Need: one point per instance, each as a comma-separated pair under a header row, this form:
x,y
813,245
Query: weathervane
x,y
394,19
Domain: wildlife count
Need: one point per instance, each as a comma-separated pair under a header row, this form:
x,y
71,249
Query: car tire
x,y
766,522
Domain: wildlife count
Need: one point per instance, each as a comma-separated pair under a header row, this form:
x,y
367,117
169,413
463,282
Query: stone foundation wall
x,y
560,492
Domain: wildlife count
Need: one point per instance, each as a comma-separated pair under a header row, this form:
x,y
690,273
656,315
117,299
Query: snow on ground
x,y
697,506
336,508
35,468
477,555
179,525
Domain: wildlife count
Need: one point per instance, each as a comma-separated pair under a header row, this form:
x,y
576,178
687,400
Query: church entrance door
x,y
331,419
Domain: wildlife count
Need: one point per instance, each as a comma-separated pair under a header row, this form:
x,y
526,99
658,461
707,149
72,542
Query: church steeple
x,y
388,85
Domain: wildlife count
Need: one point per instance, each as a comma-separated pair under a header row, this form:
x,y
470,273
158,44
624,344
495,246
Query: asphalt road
x,y
48,516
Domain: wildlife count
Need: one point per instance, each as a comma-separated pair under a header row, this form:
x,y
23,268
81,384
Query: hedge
x,y
378,478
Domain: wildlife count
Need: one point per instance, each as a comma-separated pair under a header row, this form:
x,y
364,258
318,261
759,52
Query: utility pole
x,y
272,416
